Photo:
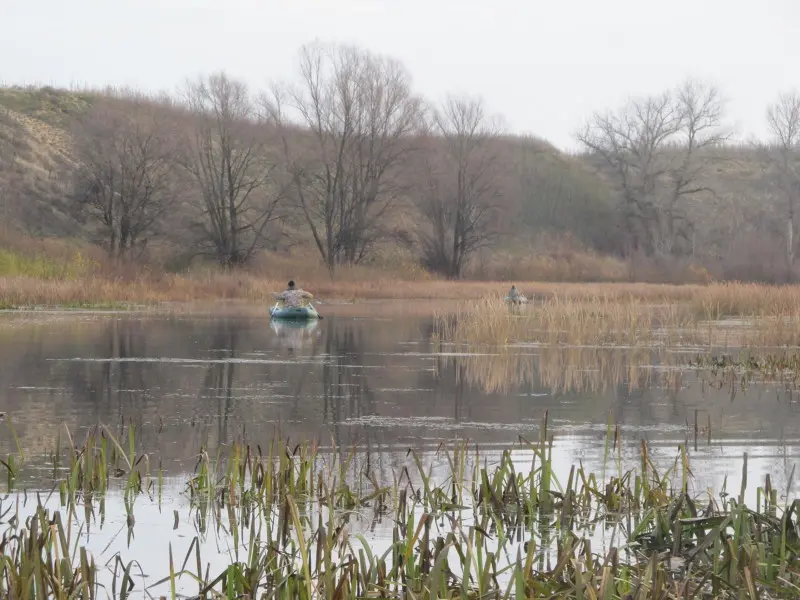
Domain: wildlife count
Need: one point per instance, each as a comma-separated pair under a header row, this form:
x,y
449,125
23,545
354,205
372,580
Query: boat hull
x,y
299,313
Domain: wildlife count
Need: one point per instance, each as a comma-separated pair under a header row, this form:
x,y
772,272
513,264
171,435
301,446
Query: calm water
x,y
360,377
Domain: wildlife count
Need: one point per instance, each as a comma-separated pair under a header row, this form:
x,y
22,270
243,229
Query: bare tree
x,y
124,172
458,199
228,160
358,113
783,151
659,150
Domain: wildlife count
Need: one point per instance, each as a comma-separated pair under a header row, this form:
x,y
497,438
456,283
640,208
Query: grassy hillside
x,y
36,160
36,163
560,212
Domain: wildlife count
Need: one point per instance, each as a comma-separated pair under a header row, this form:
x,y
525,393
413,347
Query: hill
x,y
545,190
559,215
36,160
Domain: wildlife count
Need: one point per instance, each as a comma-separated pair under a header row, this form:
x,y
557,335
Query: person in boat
x,y
514,296
293,296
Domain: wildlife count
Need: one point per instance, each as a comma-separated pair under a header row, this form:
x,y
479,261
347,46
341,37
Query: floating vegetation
x,y
749,365
294,516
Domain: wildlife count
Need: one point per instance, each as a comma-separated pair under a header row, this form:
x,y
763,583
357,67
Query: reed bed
x,y
718,316
52,272
472,530
597,321
746,300
150,288
77,285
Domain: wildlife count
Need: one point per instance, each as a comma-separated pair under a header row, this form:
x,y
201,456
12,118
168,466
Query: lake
x,y
371,377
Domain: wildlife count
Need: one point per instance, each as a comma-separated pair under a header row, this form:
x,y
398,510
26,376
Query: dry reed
x,y
211,286
563,320
718,315
48,273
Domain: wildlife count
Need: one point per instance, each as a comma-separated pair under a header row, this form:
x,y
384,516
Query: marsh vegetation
x,y
296,519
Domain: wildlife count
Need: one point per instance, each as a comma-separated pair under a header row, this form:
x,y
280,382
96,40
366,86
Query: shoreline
x,y
156,290
238,292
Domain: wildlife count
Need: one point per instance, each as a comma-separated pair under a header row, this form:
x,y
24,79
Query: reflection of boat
x,y
294,334
294,313
290,327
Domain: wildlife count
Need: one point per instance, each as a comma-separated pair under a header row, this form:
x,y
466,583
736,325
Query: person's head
x,y
513,287
291,285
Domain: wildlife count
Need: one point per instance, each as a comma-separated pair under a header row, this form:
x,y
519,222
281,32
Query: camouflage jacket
x,y
294,298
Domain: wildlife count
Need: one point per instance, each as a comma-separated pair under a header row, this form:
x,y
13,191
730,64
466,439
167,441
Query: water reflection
x,y
368,380
294,335
378,382
559,369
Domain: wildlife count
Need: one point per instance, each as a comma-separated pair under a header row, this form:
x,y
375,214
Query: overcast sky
x,y
544,64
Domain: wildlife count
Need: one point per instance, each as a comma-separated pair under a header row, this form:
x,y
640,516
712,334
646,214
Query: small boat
x,y
515,297
516,300
293,312
289,327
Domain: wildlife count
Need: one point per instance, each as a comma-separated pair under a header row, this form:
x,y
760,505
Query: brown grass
x,y
768,316
560,301
156,288
57,272
747,300
572,320
89,278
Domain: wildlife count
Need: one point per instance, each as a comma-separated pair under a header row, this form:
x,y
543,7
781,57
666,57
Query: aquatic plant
x,y
470,529
631,322
72,279
594,321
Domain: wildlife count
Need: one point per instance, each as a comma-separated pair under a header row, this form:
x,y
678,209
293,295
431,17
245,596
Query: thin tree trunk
x,y
790,247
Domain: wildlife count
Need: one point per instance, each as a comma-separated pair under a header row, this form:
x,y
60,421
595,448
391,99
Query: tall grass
x,y
560,320
51,273
513,528
56,272
14,264
109,285
769,317
746,300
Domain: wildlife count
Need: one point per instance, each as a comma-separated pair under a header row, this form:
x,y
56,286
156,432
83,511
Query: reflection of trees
x,y
313,398
576,383
114,387
346,393
128,340
219,377
458,396
450,382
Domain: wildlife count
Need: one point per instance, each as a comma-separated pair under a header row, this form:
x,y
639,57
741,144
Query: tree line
x,y
348,146
333,151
